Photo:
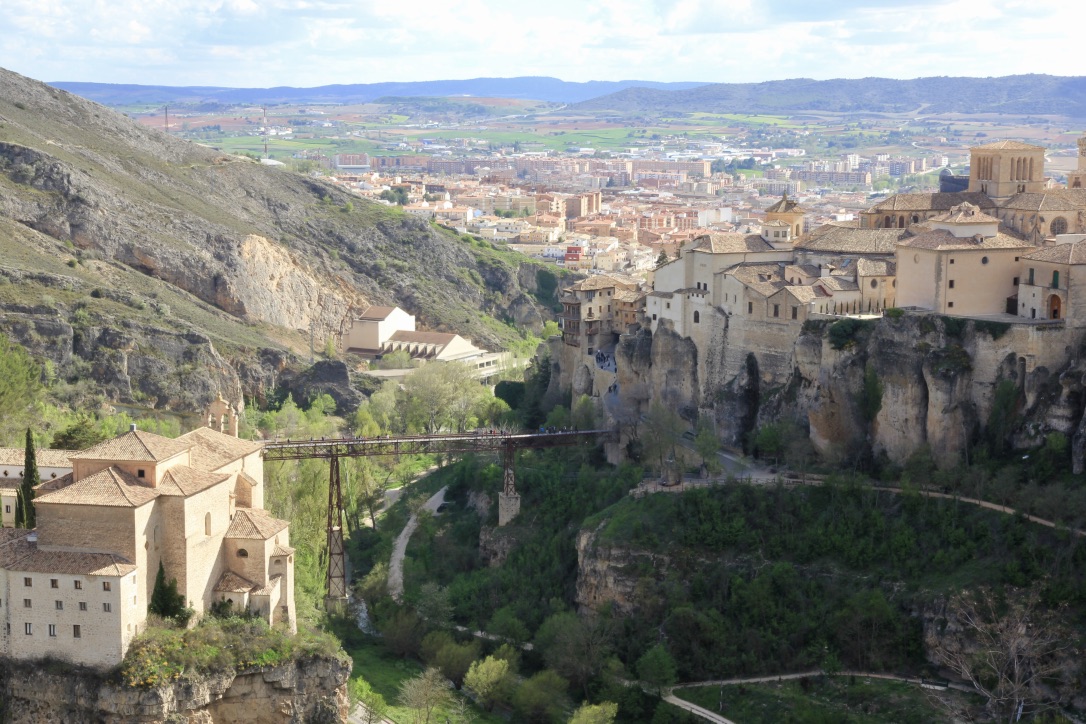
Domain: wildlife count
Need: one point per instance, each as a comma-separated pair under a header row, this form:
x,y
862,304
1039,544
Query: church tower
x,y
1077,178
1005,168
790,212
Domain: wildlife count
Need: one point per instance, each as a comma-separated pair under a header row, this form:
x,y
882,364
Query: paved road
x,y
395,565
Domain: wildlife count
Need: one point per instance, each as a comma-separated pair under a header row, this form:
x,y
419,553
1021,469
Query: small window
x,y
776,310
107,586
1015,282
1016,258
795,312
668,305
60,605
108,608
750,307
27,603
28,628
984,260
54,583
1031,276
950,304
1055,279
141,473
654,317
207,523
697,319
53,630
951,283
77,633
82,605
78,585
28,581
874,283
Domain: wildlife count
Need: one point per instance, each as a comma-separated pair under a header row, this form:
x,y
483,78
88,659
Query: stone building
x,y
77,587
52,464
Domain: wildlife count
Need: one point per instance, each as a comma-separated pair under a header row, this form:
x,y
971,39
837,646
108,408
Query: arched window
x,y
242,553
901,222
1058,226
207,523
916,218
697,317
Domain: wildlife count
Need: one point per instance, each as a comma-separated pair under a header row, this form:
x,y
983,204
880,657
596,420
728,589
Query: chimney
x,y
132,427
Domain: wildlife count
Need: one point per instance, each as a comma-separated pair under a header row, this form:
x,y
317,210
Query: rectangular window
x,y
951,283
79,585
776,310
82,605
76,632
140,473
1031,276
60,605
28,628
795,312
108,608
107,586
27,603
1015,282
1055,279
28,581
950,304
951,261
54,583
1016,258
750,307
53,630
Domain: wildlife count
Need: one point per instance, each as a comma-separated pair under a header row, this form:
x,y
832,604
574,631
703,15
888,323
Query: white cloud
x,y
315,42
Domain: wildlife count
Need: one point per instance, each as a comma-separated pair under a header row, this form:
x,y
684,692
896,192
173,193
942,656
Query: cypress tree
x,y
160,603
24,505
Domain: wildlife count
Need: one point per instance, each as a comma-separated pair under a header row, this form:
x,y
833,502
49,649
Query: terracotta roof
x,y
376,314
731,243
603,281
937,201
282,551
628,295
254,525
48,486
941,240
1069,200
135,446
244,476
763,278
233,583
273,583
1061,253
184,481
19,552
785,205
438,338
875,268
1007,145
111,487
845,237
802,293
965,213
837,284
212,449
46,458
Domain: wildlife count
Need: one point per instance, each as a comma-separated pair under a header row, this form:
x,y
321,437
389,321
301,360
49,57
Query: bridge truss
x,y
332,449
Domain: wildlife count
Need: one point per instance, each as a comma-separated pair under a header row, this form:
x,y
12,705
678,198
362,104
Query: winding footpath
x,y
395,564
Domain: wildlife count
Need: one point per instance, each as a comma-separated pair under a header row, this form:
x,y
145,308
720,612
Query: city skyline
x,y
243,43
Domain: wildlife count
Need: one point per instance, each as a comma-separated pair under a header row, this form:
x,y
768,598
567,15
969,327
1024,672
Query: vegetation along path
x,y
395,565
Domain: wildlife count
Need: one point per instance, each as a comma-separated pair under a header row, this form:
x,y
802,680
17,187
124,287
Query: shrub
x,y
844,332
895,313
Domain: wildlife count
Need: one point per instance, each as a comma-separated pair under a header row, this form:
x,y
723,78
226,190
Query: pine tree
x,y
24,505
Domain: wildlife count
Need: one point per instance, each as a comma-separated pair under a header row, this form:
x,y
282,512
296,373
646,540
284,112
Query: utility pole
x,y
167,120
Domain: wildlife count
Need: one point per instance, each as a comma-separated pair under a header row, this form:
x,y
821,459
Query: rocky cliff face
x,y
936,377
312,691
132,226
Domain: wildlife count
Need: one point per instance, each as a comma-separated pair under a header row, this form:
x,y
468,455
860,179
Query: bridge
x,y
480,441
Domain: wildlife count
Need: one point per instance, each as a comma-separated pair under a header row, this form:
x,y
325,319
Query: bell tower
x,y
1077,178
1005,168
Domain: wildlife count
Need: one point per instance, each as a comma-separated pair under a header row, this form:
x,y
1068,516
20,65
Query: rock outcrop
x,y
308,691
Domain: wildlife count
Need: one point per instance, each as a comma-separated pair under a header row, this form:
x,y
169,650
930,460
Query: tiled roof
x,y
244,476
937,201
407,337
802,293
273,583
785,205
46,458
940,239
875,268
1069,200
376,314
844,237
763,278
212,449
604,281
1061,253
49,486
18,553
282,551
837,284
233,583
1007,145
254,524
628,295
135,446
965,213
731,243
181,480
111,487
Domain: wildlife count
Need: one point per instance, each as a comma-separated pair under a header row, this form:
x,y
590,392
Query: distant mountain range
x,y
1015,94
529,87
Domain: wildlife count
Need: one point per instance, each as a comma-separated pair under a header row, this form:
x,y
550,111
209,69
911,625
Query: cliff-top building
x,y
77,587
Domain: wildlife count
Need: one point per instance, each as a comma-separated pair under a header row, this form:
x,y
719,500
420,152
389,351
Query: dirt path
x,y
395,564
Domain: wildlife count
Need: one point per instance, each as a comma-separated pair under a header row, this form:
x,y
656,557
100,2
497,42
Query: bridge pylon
x,y
509,498
336,598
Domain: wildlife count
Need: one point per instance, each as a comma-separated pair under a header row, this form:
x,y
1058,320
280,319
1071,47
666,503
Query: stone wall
x,y
313,691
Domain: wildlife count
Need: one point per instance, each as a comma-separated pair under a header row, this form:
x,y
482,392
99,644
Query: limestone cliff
x,y
936,376
309,691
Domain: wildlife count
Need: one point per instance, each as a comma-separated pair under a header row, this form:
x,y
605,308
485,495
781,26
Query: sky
x,y
263,43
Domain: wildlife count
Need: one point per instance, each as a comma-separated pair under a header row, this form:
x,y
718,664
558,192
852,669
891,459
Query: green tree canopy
x,y
20,389
24,505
